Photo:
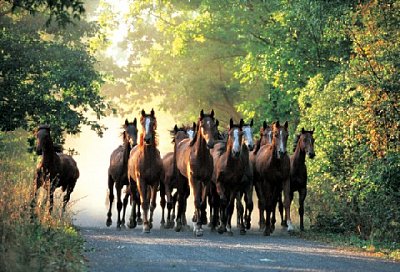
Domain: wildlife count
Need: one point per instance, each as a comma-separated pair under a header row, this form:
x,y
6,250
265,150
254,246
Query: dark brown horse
x,y
195,164
170,180
273,168
59,170
145,168
298,169
118,169
244,214
228,174
265,139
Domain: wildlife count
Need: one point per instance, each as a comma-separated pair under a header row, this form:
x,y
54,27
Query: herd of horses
x,y
217,168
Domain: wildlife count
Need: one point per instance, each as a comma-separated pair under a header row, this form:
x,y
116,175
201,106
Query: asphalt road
x,y
108,249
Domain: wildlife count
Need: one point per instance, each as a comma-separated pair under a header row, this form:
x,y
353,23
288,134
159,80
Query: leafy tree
x,y
48,76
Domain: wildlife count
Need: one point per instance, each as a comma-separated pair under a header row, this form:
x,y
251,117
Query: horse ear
x,y
313,129
126,122
134,122
201,114
152,112
212,113
241,123
302,130
143,113
217,123
264,125
230,123
251,122
277,123
175,128
286,124
194,126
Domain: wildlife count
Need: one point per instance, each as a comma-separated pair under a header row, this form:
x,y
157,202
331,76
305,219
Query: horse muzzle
x,y
311,155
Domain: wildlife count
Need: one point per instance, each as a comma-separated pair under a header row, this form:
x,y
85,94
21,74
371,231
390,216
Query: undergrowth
x,y
31,240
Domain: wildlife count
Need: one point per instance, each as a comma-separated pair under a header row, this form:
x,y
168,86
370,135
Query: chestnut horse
x,y
298,169
228,176
118,169
273,168
170,180
145,169
195,164
60,170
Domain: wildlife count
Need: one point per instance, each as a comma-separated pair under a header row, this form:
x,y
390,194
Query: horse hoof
x,y
139,221
230,233
284,224
221,230
132,225
178,227
119,227
108,222
199,232
242,231
146,228
162,226
266,232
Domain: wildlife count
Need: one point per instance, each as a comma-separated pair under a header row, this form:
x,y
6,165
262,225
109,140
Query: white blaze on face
x,y
248,136
270,136
147,125
190,133
236,144
281,146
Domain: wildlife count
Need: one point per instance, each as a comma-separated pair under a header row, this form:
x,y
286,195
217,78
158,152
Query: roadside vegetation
x,y
31,241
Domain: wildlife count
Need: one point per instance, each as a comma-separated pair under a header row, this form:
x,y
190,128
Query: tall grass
x,y
41,242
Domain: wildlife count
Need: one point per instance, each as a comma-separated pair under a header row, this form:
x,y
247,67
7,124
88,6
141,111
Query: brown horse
x,y
265,139
298,169
170,180
244,214
273,168
228,174
118,169
145,168
60,170
195,164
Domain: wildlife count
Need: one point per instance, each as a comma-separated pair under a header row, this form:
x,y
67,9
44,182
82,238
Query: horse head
x,y
42,138
130,132
207,127
306,142
265,134
149,126
248,135
280,136
235,135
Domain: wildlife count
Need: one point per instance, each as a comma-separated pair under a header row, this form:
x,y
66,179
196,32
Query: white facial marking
x,y
270,136
190,133
281,147
236,144
248,136
147,125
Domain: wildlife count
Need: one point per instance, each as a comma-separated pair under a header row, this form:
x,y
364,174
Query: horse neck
x,y
299,155
48,153
200,147
127,151
149,150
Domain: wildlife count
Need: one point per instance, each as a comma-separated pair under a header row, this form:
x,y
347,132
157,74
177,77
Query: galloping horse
x,y
195,163
170,180
145,168
244,215
60,170
118,169
273,168
298,170
265,139
228,174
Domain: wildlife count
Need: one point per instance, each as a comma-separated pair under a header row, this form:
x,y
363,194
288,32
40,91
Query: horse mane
x,y
296,140
193,141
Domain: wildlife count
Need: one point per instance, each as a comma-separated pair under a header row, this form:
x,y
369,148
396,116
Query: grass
x,y
41,242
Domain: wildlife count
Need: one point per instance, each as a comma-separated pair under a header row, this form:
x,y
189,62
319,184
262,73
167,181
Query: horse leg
x,y
302,197
111,199
125,204
145,202
280,208
197,192
261,205
139,219
248,198
170,206
239,209
53,186
181,198
286,200
67,195
153,203
119,205
223,207
204,204
162,204
229,212
132,190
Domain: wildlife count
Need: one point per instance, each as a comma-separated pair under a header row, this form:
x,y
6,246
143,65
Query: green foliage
x,y
45,244
48,76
